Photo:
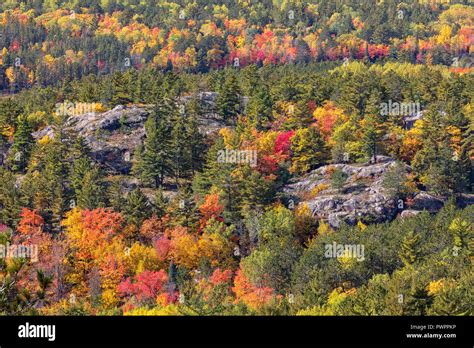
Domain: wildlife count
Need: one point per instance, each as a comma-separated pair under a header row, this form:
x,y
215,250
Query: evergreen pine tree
x,y
228,99
308,149
155,160
409,248
88,89
395,179
80,168
160,204
373,128
184,209
137,208
11,200
48,187
22,145
197,147
442,170
440,177
115,195
454,300
338,179
213,172
462,232
10,110
259,108
120,89
419,302
229,187
180,149
250,79
254,190
91,193
59,205
347,94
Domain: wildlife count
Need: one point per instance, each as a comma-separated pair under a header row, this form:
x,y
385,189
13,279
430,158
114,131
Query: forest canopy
x,y
236,157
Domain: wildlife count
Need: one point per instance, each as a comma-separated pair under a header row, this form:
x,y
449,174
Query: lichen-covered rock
x,y
114,135
362,197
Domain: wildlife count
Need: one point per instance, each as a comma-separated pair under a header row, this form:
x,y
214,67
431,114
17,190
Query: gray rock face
x,y
464,199
114,135
362,197
424,201
210,121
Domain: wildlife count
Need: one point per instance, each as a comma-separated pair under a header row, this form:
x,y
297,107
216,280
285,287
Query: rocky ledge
x,y
362,197
114,135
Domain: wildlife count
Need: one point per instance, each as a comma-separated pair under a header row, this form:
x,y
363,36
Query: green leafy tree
x,y
309,150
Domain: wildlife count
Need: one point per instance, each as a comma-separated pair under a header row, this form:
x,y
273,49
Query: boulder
x,y
409,213
424,201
